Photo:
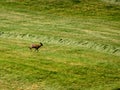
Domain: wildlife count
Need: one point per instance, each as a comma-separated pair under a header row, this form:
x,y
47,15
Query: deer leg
x,y
30,48
37,50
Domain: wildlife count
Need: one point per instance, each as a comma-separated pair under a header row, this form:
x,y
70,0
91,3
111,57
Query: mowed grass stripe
x,y
52,40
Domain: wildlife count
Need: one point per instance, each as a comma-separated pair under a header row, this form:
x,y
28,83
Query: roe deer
x,y
35,46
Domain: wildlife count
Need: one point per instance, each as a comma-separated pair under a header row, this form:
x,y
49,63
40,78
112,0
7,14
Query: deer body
x,y
35,46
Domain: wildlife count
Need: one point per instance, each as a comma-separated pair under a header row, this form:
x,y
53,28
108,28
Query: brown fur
x,y
35,46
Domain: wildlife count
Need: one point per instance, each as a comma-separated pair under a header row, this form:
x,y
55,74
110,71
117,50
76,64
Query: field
x,y
81,45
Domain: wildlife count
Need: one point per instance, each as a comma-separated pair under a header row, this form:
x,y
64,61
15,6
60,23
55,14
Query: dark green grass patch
x,y
65,7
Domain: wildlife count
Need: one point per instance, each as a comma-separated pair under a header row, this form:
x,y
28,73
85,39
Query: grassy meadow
x,y
81,45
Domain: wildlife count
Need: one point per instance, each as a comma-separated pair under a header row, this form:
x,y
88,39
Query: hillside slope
x,y
81,45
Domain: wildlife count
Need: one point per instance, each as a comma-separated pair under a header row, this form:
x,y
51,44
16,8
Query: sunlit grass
x,y
54,65
81,49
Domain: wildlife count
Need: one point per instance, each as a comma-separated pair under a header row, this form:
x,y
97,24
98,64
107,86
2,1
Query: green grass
x,y
81,45
55,67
